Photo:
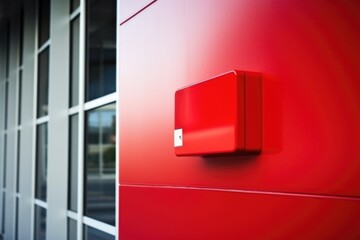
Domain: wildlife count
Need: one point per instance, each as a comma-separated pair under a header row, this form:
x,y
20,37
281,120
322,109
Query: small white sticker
x,y
178,137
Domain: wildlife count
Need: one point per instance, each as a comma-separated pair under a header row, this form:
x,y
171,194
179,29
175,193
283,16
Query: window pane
x,y
40,223
74,5
73,165
72,229
19,100
44,21
101,48
74,62
41,162
100,164
94,234
43,84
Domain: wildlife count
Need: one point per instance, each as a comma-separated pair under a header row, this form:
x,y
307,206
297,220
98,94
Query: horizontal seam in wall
x,y
133,15
243,191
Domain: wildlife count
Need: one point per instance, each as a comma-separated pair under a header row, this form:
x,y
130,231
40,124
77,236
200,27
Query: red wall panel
x,y
168,213
308,54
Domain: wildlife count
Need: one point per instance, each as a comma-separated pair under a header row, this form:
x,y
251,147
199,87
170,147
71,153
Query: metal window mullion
x,y
44,46
98,102
73,110
74,14
42,120
72,215
104,227
41,203
33,157
81,119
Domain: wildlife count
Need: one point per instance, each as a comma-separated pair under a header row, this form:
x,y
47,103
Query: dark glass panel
x,y
41,162
72,229
44,21
94,234
43,84
74,62
100,164
40,223
73,164
101,48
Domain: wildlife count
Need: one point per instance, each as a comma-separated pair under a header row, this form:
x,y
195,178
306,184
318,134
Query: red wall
x,y
306,181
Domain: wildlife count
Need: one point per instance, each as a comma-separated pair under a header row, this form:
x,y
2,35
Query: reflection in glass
x,y
74,62
100,164
101,48
72,229
73,164
44,21
41,162
43,84
94,234
40,223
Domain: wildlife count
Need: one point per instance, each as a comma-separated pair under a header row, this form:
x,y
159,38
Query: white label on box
x,y
178,137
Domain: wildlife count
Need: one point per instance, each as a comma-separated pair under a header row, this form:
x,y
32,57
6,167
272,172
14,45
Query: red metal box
x,y
221,115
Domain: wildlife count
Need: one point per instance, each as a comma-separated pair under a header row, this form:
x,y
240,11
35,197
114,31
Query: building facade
x,y
58,120
87,91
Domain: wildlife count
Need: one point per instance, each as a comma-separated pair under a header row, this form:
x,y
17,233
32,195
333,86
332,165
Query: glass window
x,y
74,62
41,162
73,164
100,164
72,229
40,223
44,21
43,84
74,5
101,48
94,234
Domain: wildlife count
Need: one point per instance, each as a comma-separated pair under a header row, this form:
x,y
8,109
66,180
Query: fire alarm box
x,y
221,115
